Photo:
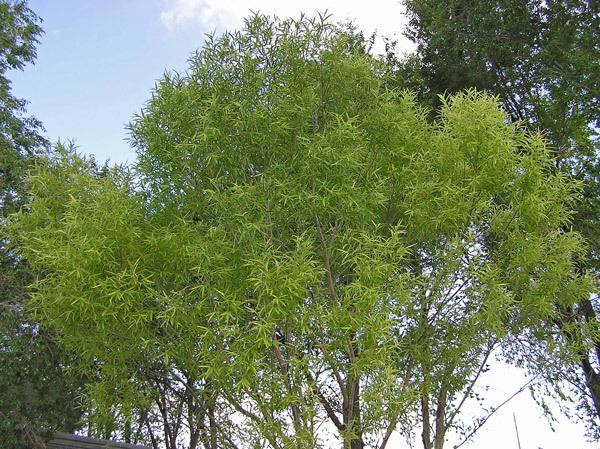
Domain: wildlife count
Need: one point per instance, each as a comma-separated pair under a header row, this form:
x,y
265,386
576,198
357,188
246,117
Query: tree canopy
x,y
299,244
542,61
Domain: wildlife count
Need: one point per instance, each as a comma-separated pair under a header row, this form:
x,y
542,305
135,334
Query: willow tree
x,y
303,243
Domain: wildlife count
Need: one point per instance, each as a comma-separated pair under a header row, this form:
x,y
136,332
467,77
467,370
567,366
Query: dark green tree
x,y
20,135
36,394
542,60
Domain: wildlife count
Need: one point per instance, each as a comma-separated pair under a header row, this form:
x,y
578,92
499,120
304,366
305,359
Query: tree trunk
x,y
592,381
356,441
440,418
213,425
568,326
426,433
351,412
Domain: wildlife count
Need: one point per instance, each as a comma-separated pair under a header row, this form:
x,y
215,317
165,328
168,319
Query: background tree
x,y
36,393
542,60
303,244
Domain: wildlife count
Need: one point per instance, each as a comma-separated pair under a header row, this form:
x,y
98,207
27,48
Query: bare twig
x,y
489,415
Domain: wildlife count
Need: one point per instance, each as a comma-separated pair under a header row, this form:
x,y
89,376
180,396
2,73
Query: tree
x,y
20,136
36,393
303,243
542,60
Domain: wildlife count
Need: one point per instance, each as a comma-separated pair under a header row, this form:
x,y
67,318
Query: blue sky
x,y
99,59
98,62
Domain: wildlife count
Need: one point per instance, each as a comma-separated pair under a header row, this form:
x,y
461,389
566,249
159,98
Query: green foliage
x,y
19,135
542,61
302,241
540,58
37,392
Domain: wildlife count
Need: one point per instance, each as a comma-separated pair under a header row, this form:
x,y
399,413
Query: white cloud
x,y
385,16
209,14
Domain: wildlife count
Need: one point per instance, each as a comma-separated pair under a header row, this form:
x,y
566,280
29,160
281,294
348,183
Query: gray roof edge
x,y
60,436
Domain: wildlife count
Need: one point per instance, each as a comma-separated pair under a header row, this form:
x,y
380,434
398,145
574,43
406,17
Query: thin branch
x,y
326,405
336,372
489,415
472,383
288,383
248,414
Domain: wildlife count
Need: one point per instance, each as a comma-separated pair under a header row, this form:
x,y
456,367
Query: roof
x,y
68,441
